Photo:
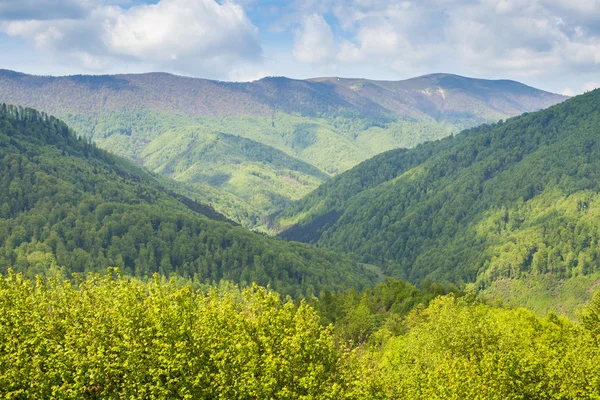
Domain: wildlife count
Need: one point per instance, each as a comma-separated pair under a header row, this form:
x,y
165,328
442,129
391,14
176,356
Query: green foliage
x,y
591,317
494,202
264,162
115,337
64,202
544,293
120,338
260,175
462,349
357,315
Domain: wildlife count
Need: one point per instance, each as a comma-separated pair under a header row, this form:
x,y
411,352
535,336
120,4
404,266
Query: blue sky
x,y
550,44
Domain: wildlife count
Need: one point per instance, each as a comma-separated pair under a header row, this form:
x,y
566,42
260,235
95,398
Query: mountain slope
x,y
515,199
329,123
63,202
259,175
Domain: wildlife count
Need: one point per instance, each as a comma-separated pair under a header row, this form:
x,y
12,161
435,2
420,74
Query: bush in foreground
x,y
110,337
114,337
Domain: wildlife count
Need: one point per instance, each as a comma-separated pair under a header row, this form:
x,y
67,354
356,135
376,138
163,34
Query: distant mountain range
x,y
448,99
441,97
251,148
511,206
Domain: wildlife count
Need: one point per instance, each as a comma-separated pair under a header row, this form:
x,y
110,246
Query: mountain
x,y
329,124
66,203
511,206
449,99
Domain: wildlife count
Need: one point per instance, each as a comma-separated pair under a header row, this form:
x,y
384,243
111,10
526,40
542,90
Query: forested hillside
x,y
260,175
331,124
513,200
66,204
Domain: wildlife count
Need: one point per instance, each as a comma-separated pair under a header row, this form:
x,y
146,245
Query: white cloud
x,y
585,87
191,36
314,42
248,74
554,44
533,39
51,9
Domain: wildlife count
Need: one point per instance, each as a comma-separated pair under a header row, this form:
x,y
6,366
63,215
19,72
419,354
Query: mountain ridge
x,y
264,88
513,200
331,125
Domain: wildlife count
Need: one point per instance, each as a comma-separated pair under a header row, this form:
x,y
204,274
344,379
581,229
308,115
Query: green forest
x,y
263,162
118,282
66,203
250,148
511,200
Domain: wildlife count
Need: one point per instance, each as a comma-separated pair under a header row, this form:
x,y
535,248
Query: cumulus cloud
x,y
191,36
520,38
549,43
51,9
314,42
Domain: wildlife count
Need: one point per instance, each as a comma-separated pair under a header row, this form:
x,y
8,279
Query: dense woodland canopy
x,y
113,337
65,203
508,200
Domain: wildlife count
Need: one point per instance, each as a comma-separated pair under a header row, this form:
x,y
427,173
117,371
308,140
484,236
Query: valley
x,y
512,200
299,200
72,207
249,149
454,250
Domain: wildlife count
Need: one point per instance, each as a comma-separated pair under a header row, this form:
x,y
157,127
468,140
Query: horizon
x,y
314,78
549,44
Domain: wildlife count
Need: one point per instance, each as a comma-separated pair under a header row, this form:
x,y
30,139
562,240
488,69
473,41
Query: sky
x,y
550,44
